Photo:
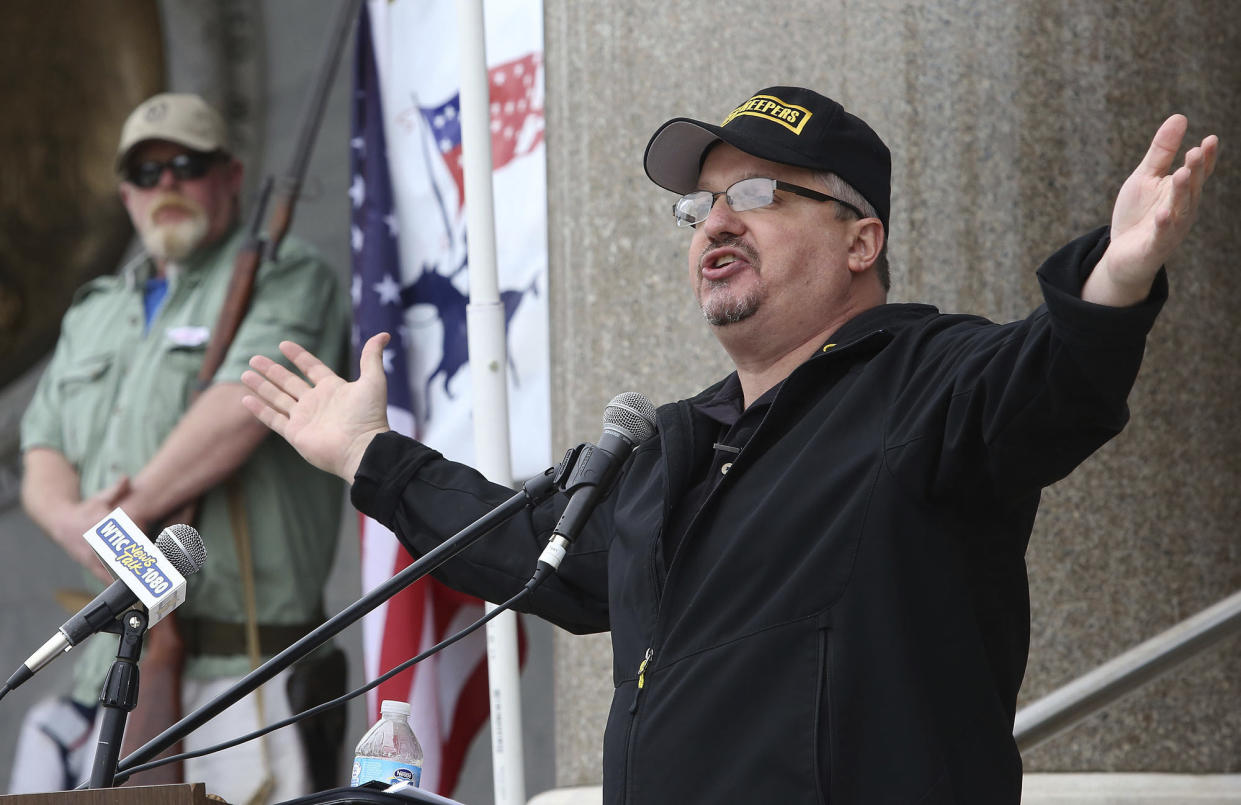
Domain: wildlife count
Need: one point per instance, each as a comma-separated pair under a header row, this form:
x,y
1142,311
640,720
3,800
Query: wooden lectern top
x,y
179,794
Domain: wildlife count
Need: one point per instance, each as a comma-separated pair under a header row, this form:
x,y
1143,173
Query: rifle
x,y
160,704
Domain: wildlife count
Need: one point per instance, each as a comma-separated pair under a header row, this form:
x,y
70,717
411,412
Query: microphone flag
x,y
135,560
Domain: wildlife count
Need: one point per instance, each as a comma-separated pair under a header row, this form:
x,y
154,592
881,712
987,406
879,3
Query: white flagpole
x,y
488,375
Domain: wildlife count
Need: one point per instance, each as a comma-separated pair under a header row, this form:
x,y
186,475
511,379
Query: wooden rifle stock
x,y
237,298
160,702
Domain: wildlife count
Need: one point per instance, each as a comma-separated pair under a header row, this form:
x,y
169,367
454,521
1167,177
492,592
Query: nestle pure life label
x,y
387,771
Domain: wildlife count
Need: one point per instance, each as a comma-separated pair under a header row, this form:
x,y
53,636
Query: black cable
x,y
467,631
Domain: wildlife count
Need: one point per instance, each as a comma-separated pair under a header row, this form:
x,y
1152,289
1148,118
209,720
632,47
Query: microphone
x,y
628,420
150,574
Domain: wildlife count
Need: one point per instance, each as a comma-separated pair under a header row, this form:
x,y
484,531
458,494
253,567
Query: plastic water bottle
x,y
389,752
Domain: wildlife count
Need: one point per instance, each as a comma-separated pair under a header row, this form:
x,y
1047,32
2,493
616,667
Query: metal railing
x,y
1086,695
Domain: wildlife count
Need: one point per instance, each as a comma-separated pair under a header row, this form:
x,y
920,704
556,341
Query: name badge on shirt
x,y
189,335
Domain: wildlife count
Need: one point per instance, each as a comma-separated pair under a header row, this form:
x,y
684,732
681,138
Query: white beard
x,y
174,241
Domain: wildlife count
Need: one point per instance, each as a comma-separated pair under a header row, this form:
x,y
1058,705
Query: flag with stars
x,y
516,118
408,243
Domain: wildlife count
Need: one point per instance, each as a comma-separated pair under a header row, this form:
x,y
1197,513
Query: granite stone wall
x,y
1012,125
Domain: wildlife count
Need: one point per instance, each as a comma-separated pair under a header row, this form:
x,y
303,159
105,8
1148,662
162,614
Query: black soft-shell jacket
x,y
846,619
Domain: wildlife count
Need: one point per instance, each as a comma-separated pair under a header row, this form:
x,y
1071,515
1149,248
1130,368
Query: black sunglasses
x,y
190,165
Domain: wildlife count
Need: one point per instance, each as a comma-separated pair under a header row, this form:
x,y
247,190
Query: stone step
x,y
1131,789
1050,789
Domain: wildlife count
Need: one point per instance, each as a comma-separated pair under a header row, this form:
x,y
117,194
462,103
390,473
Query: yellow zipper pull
x,y
650,652
642,668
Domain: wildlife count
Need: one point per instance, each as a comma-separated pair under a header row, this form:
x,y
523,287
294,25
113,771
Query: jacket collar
x,y
889,318
864,334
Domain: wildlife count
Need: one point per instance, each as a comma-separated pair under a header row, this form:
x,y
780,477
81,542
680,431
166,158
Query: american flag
x,y
447,693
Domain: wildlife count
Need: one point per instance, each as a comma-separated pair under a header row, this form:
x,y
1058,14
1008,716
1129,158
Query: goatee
x,y
719,305
176,240
722,310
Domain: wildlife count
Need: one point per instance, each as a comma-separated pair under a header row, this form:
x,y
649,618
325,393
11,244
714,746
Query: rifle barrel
x,y
323,84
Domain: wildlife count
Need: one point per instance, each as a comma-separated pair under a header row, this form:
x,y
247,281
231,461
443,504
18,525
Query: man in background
x,y
115,422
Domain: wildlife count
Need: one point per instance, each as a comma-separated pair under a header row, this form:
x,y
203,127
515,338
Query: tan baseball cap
x,y
180,118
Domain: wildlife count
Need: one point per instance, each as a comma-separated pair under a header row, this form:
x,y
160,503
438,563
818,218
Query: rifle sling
x,y
245,566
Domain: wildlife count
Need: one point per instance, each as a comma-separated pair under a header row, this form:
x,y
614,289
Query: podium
x,y
180,794
196,794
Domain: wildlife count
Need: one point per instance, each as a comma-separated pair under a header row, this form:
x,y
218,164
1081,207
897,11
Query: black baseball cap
x,y
789,125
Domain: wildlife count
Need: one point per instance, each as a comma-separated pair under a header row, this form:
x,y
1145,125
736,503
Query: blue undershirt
x,y
153,297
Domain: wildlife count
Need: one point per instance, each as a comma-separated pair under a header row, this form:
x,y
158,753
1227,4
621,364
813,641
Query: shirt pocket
x,y
176,379
86,395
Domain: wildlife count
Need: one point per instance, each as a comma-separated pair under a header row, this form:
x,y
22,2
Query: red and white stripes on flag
x,y
408,239
447,695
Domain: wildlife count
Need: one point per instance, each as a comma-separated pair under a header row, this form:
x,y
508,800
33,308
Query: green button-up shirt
x,y
114,389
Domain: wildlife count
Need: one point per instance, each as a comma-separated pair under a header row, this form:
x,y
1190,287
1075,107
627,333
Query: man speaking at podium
x,y
111,424
814,574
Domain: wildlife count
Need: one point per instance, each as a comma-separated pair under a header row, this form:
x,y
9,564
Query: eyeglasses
x,y
692,209
190,165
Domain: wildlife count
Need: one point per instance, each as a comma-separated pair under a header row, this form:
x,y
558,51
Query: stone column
x,y
1012,126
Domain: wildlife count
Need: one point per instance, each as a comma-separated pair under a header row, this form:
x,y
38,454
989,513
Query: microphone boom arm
x,y
532,492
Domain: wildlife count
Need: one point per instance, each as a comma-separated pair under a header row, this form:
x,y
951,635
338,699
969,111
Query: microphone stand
x,y
532,492
119,696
